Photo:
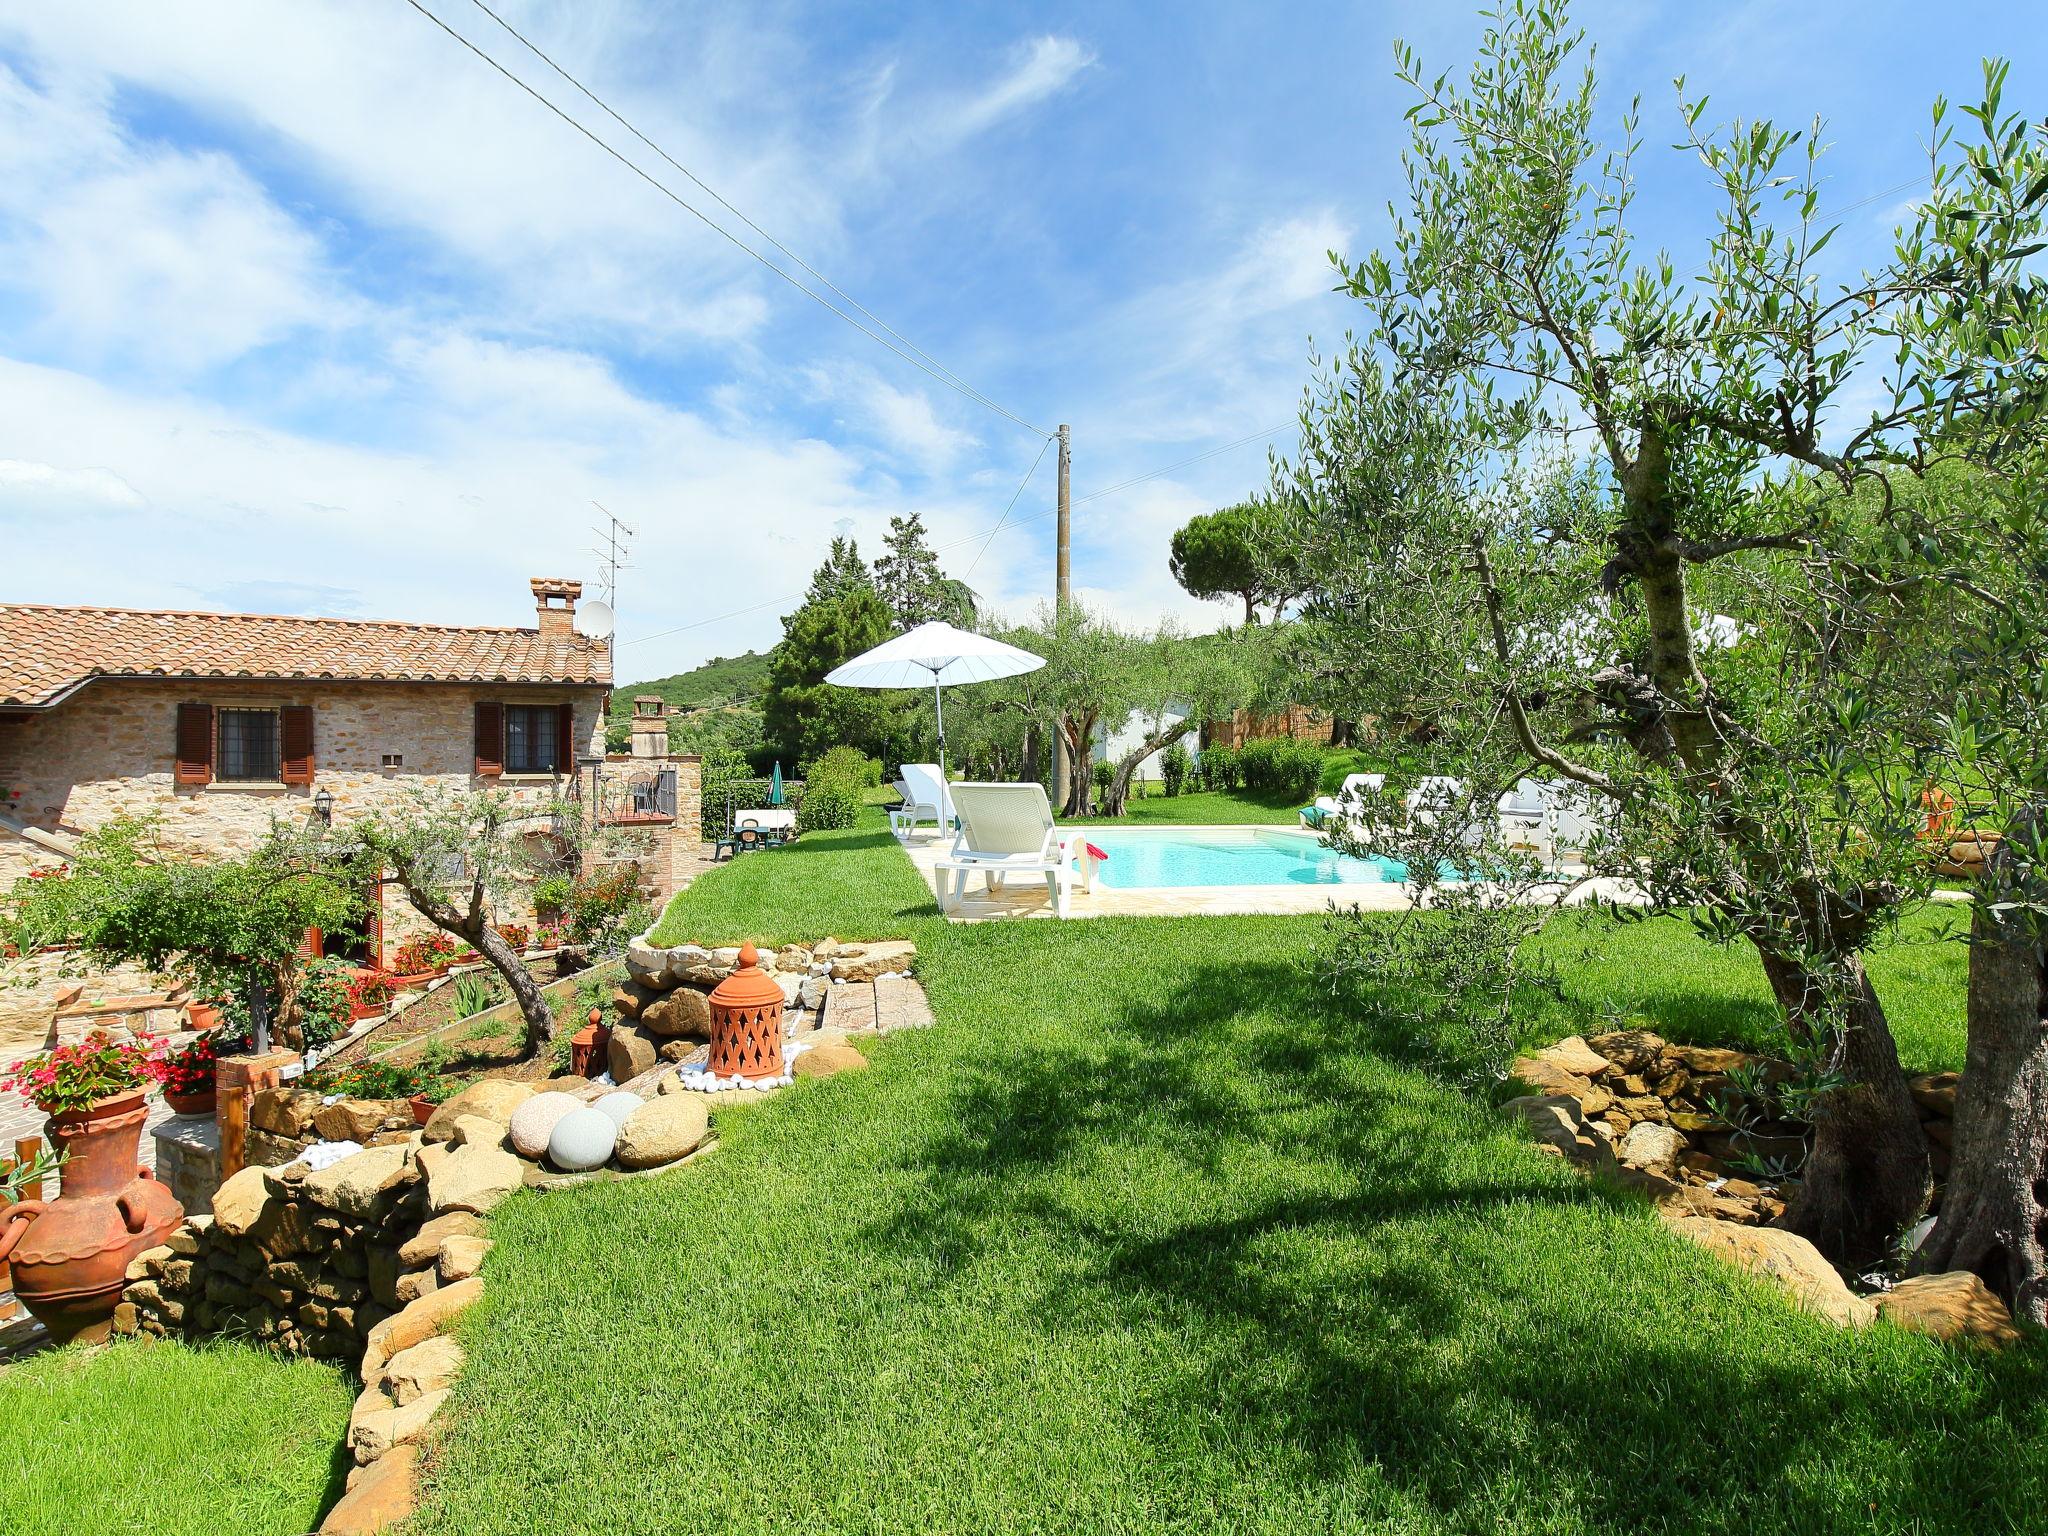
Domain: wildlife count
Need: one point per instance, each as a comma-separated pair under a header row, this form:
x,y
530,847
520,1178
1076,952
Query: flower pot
x,y
405,981
422,1108
202,1016
70,1255
202,1102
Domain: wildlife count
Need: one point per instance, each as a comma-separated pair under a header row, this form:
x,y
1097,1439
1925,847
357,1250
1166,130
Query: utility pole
x,y
1063,594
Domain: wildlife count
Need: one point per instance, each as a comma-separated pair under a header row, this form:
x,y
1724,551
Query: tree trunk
x,y
533,1003
1994,1210
1867,1177
475,926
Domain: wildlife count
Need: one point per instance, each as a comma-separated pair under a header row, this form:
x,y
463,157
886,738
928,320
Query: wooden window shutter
x,y
195,744
295,743
490,740
565,739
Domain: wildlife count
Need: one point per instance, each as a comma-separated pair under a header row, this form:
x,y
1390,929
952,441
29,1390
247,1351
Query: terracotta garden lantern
x,y
746,1022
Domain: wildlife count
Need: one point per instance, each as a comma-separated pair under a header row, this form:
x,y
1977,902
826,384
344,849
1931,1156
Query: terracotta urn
x,y
204,1102
71,1255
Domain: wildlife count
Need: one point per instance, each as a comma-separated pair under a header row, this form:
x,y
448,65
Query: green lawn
x,y
1214,808
169,1440
1142,1239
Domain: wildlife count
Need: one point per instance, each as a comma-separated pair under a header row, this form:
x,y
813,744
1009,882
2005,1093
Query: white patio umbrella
x,y
937,654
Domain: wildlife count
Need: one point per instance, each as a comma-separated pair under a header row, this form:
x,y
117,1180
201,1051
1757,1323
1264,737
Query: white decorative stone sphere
x,y
618,1105
582,1139
534,1121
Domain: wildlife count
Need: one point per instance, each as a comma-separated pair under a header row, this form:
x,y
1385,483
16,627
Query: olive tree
x,y
1567,494
458,857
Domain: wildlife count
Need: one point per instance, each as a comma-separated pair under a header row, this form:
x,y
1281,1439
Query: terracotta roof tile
x,y
47,650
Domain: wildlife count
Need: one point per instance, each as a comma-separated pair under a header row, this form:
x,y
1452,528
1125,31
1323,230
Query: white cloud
x,y
1044,67
903,420
25,483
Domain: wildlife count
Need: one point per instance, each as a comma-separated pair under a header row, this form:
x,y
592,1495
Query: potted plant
x,y
204,1013
422,959
70,1255
438,1091
187,1076
369,993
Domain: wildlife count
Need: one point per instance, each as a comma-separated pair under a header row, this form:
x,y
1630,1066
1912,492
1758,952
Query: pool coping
x,y
1026,897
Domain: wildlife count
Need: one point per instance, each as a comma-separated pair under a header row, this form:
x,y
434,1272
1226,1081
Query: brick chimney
x,y
650,726
556,601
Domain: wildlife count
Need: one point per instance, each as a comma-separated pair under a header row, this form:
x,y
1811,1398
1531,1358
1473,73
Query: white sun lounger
x,y
1007,829
1351,794
925,798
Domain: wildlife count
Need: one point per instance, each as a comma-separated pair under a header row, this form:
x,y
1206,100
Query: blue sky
x,y
303,308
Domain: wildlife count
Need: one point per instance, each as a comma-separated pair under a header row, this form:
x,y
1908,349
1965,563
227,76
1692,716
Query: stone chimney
x,y
556,601
650,726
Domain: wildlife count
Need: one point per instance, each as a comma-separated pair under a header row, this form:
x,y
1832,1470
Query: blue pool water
x,y
1144,858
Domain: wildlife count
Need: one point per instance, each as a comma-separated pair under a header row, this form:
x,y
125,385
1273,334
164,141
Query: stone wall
x,y
284,1122
109,751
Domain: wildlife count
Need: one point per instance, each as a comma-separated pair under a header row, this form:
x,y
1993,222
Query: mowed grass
x,y
170,1440
1144,1238
1211,808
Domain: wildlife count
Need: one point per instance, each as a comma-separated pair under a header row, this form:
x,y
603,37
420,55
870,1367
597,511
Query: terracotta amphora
x,y
71,1255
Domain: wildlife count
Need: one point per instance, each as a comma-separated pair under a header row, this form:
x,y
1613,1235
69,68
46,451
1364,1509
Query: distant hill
x,y
721,680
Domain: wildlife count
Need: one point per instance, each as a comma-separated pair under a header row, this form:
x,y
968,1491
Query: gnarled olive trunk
x,y
475,925
1994,1210
1867,1177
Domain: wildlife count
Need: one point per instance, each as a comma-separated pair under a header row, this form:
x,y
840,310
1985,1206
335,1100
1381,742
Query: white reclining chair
x,y
1351,794
925,798
1007,829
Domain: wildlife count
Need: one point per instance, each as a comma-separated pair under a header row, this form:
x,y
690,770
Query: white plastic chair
x,y
925,798
1008,829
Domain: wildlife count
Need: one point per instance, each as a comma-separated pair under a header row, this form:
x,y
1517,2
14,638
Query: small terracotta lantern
x,y
746,1022
587,1046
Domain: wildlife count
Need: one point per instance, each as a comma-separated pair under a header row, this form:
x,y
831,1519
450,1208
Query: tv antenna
x,y
612,553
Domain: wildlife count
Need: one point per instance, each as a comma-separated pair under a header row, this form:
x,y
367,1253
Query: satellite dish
x,y
595,620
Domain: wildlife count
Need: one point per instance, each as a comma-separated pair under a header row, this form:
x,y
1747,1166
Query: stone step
x,y
850,1005
900,1003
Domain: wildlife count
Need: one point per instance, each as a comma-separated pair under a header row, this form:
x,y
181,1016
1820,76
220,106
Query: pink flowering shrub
x,y
74,1077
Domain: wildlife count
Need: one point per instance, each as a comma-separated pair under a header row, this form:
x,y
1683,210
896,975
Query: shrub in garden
x,y
827,807
845,766
1102,776
1221,768
1175,768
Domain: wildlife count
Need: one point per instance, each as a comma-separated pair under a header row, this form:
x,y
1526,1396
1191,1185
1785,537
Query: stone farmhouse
x,y
214,723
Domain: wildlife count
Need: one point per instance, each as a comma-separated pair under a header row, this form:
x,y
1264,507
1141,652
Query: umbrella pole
x,y
939,707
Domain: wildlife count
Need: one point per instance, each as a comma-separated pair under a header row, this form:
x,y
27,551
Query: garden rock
x,y
411,1287
351,1119
1786,1259
864,962
1573,1055
582,1140
286,1112
1954,1307
630,997
644,963
632,1051
239,1202
1547,1077
535,1120
811,992
618,1104
693,964
1651,1147
429,1366
461,1257
828,1060
793,957
478,1131
493,1097
422,1320
473,1179
421,1247
379,1432
380,1496
358,1185
663,1131
685,1011
1555,1121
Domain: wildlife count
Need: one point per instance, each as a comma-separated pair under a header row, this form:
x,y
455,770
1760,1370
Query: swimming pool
x,y
1146,858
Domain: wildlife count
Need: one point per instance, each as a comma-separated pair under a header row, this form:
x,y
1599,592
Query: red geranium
x,y
74,1077
189,1068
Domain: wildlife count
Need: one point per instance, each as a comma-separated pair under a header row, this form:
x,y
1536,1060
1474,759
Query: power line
x,y
1006,510
1108,490
908,354
605,107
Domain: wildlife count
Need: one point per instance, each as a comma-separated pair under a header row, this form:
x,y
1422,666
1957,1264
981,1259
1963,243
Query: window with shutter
x,y
194,758
533,738
490,740
295,731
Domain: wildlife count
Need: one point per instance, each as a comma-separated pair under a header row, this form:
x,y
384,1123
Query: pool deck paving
x,y
1026,896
